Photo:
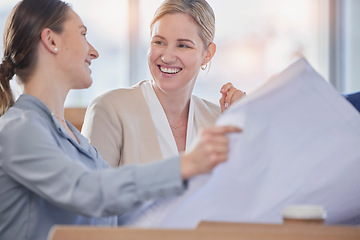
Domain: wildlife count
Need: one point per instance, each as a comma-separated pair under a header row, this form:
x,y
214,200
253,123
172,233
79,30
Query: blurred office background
x,y
255,39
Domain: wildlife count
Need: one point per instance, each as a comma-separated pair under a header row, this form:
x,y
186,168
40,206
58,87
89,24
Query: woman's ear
x,y
210,52
48,39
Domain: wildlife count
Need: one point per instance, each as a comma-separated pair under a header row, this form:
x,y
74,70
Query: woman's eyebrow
x,y
83,26
185,40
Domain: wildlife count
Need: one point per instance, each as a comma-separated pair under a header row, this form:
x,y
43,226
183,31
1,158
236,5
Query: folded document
x,y
300,145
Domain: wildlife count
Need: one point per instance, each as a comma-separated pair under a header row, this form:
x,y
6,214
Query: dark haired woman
x,y
49,174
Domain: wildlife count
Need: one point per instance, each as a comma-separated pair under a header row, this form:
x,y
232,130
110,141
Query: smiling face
x,y
176,53
75,53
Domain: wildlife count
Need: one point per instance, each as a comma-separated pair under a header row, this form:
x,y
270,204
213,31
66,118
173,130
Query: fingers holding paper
x,y
210,149
230,94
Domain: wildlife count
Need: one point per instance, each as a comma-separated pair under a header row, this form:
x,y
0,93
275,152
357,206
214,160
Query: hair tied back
x,y
7,68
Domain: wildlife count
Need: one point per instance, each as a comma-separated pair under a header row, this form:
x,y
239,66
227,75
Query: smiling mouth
x,y
172,70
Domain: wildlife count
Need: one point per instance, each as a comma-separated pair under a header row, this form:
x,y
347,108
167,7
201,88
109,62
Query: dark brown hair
x,y
21,37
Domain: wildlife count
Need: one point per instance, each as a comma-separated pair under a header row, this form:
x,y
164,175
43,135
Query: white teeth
x,y
170,70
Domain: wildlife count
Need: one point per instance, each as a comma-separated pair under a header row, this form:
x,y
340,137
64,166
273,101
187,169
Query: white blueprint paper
x,y
300,145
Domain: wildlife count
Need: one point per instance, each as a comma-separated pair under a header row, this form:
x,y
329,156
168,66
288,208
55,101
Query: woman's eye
x,y
158,43
183,46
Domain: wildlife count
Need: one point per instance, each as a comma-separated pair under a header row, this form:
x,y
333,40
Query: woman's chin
x,y
84,85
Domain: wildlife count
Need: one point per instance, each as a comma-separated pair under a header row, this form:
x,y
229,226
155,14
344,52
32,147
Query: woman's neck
x,y
53,97
176,104
176,107
50,94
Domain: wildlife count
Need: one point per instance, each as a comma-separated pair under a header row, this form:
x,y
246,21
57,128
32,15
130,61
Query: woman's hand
x,y
229,95
209,149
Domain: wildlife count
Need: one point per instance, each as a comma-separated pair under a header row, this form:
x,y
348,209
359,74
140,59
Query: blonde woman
x,y
159,118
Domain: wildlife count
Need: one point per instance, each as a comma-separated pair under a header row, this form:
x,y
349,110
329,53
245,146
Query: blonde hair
x,y
199,10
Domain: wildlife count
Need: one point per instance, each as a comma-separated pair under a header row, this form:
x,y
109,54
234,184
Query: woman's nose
x,y
92,52
169,56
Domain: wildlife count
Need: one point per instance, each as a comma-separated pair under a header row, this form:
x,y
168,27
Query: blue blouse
x,y
47,178
354,99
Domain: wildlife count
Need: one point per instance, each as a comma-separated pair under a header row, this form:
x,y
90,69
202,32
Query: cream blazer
x,y
119,125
